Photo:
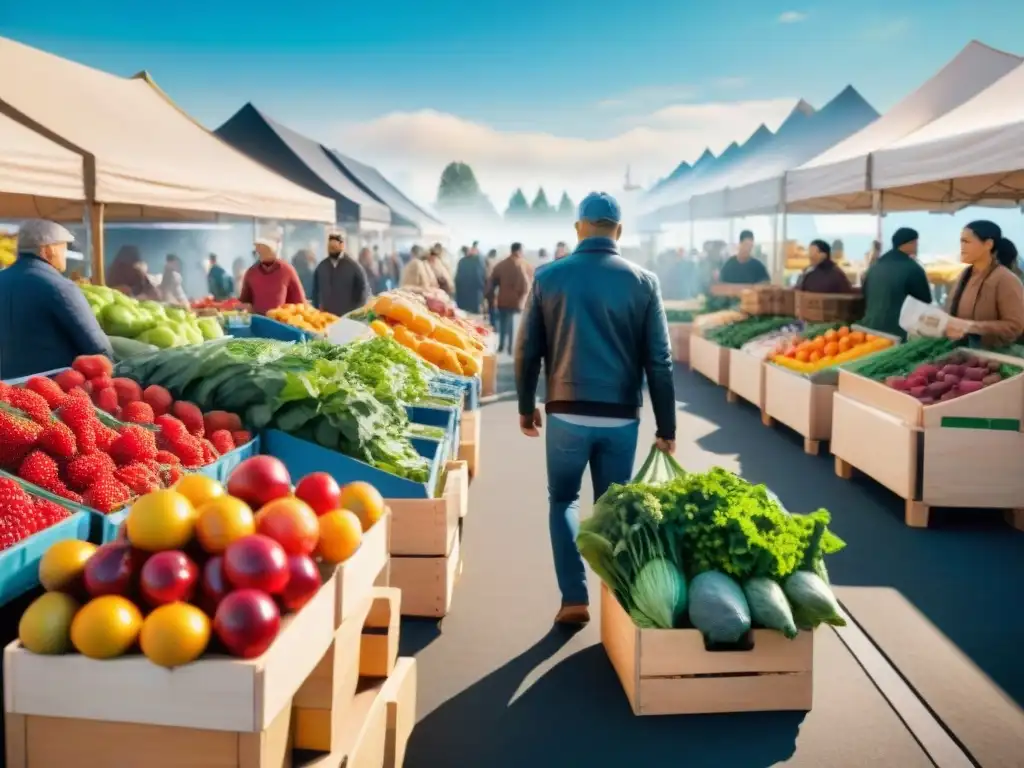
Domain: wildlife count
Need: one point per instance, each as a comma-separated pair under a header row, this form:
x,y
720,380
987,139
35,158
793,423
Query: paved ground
x,y
498,689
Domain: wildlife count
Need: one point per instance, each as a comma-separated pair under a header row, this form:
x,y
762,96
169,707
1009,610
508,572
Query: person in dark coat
x,y
890,280
824,275
45,321
218,281
339,283
743,268
470,279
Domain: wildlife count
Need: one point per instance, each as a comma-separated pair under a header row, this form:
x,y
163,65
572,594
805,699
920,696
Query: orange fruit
x,y
844,331
831,349
45,626
815,357
221,521
844,344
803,355
341,533
818,343
365,500
380,328
199,489
175,634
62,564
857,337
160,520
830,334
106,627
290,522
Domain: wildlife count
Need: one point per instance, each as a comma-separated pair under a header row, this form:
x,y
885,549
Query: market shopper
x,y
218,282
561,250
172,286
45,321
436,262
507,289
596,323
470,282
339,282
417,273
890,280
270,282
987,305
129,274
824,275
743,268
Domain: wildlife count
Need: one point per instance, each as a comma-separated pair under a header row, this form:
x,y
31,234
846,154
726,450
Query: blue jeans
x,y
610,452
507,321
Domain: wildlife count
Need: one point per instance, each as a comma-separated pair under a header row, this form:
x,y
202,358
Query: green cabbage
x,y
659,593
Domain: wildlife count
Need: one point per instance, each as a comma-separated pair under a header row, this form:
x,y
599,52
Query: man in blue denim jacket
x,y
596,323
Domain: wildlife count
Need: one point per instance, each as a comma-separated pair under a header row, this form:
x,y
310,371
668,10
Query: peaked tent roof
x,y
38,177
303,161
680,170
404,211
973,155
839,179
146,158
757,189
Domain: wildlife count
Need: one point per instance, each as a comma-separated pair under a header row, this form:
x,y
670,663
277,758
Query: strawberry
x,y
69,379
47,389
5,392
103,381
159,399
215,420
58,440
222,441
137,412
128,391
189,450
210,453
31,404
105,436
49,512
135,443
241,437
18,436
39,469
171,475
106,494
76,408
105,399
91,366
83,470
171,428
138,477
166,457
190,416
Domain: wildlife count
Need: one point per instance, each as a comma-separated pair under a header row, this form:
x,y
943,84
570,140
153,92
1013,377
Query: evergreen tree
x,y
541,206
458,187
517,205
566,207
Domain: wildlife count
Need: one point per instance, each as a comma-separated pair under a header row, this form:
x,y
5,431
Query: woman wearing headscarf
x,y
172,289
987,305
824,275
129,274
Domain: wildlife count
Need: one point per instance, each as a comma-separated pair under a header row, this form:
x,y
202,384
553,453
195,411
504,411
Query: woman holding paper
x,y
987,305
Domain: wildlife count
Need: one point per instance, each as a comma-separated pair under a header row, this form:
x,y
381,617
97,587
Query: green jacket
x,y
887,283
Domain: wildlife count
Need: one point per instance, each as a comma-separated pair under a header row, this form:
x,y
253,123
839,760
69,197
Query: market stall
x,y
939,427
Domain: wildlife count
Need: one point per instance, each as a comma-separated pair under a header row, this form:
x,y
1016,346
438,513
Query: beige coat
x,y
993,302
418,274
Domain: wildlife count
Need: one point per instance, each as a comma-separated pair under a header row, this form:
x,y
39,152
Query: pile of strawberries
x,y
51,435
22,514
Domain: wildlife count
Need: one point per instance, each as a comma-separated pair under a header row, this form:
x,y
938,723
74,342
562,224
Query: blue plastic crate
x,y
302,457
23,379
262,327
238,330
438,416
19,565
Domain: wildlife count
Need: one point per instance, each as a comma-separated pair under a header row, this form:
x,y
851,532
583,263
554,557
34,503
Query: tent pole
x,y
775,244
732,231
779,273
96,243
877,204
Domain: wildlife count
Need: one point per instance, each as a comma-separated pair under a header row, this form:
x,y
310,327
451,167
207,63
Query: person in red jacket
x,y
270,282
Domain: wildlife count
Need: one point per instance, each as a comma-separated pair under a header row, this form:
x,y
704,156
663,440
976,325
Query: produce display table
x,y
964,452
709,359
679,338
746,377
803,405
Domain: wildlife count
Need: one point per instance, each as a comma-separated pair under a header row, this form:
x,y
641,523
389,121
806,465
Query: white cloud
x,y
416,146
792,17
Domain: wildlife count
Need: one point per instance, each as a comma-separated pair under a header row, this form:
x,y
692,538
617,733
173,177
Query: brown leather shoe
x,y
573,614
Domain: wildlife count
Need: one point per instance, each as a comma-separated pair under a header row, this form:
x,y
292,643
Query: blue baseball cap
x,y
599,207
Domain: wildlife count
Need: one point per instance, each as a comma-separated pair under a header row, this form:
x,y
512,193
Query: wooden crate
x,y
729,290
679,338
829,307
426,526
427,583
362,733
400,700
489,375
801,404
746,377
923,455
378,646
768,300
356,577
469,443
709,359
215,693
669,671
328,692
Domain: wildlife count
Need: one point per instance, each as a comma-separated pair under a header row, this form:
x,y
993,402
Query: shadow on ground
x,y
964,573
576,715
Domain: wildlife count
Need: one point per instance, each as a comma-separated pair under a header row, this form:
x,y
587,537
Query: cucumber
x,y
718,607
769,607
125,348
812,599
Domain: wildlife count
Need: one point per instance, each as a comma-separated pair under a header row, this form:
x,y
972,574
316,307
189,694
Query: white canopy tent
x,y
38,177
839,180
973,155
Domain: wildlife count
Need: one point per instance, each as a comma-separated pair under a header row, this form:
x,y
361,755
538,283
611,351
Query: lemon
x,y
160,520
175,634
45,627
199,489
62,564
106,627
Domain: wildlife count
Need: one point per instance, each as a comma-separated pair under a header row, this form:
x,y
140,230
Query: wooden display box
x,y
469,444
768,300
489,375
730,290
362,733
709,359
959,453
798,402
679,338
829,307
399,694
356,577
670,672
427,583
426,526
746,377
378,645
327,693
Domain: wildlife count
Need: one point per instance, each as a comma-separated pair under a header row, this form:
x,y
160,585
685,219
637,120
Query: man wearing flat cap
x,y
894,276
596,324
45,321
